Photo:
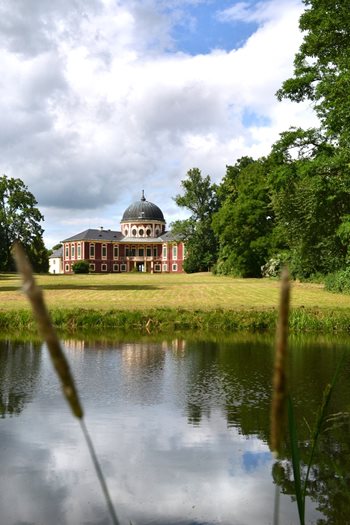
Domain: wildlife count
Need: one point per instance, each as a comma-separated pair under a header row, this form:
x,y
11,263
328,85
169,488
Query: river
x,y
181,428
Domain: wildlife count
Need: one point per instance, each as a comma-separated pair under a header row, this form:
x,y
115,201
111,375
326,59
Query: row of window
x,y
142,231
129,252
122,267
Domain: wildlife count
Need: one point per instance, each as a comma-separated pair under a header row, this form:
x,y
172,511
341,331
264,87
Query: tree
x,y
322,66
244,223
311,186
20,220
310,193
200,197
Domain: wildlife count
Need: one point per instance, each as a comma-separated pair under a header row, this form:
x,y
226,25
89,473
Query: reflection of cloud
x,y
159,468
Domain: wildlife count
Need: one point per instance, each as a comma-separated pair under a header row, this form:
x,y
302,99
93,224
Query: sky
x,y
101,99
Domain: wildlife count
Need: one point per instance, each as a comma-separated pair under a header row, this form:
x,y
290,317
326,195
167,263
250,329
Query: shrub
x,y
80,267
338,281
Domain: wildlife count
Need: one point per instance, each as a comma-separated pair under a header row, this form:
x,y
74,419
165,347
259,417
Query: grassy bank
x,y
161,303
172,320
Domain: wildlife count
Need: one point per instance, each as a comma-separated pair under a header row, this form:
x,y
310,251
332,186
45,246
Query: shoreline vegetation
x,y
151,304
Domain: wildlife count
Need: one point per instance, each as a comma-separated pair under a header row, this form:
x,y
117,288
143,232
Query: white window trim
x,y
103,257
174,267
103,267
92,267
92,245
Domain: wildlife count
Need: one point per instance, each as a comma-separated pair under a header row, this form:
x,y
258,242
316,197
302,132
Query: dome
x,y
143,210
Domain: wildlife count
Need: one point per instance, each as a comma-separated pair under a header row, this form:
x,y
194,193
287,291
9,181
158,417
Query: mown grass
x,y
172,302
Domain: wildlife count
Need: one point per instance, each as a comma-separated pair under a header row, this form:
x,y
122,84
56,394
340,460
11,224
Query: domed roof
x,y
143,210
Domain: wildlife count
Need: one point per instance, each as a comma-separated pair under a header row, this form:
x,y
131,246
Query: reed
x,y
281,399
59,361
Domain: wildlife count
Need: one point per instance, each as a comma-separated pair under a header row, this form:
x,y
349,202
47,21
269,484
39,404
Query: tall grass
x,y
162,320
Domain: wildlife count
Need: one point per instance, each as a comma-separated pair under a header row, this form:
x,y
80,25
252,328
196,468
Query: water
x,y
181,428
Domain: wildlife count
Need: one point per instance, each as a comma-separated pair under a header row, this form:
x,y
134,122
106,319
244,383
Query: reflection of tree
x,y
19,370
236,377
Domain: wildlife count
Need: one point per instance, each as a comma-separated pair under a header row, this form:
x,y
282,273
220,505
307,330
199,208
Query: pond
x,y
181,428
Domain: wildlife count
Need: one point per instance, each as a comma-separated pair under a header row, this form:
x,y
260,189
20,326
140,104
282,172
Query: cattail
x,y
46,329
279,383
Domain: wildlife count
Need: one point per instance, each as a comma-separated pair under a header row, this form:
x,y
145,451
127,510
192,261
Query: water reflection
x,y
19,371
181,428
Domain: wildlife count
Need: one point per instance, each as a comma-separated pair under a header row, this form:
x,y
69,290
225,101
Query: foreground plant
x,y
281,400
48,334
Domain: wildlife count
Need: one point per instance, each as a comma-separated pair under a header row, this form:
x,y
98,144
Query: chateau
x,y
142,245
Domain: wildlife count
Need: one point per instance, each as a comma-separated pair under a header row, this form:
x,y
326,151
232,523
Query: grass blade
x,y
299,492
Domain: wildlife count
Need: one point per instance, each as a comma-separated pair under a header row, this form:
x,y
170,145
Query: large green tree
x,y
20,220
311,182
244,222
322,66
201,199
310,193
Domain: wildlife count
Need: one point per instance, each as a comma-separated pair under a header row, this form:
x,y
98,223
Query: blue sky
x,y
102,99
203,30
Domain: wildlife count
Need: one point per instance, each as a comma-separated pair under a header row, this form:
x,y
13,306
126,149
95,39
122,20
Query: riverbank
x,y
165,320
171,303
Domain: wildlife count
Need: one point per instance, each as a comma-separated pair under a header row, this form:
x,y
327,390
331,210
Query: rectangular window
x,y
157,267
123,267
66,268
67,252
155,251
141,252
103,267
133,251
79,251
116,251
127,251
92,267
72,251
104,251
183,251
174,267
174,252
115,267
148,251
92,251
165,267
164,251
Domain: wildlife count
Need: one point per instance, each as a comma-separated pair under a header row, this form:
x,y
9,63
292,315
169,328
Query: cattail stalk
x,y
279,393
46,329
48,334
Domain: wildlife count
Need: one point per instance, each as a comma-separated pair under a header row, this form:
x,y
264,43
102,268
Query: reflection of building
x,y
142,245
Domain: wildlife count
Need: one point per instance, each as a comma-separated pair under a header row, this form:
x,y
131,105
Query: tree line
x,y
293,205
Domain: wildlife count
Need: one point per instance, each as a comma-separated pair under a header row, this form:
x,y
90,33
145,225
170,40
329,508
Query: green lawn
x,y
145,291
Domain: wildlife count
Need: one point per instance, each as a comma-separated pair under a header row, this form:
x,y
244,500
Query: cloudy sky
x,y
103,98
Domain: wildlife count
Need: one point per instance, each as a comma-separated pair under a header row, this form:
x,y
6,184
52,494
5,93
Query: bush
x,y
338,281
81,267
